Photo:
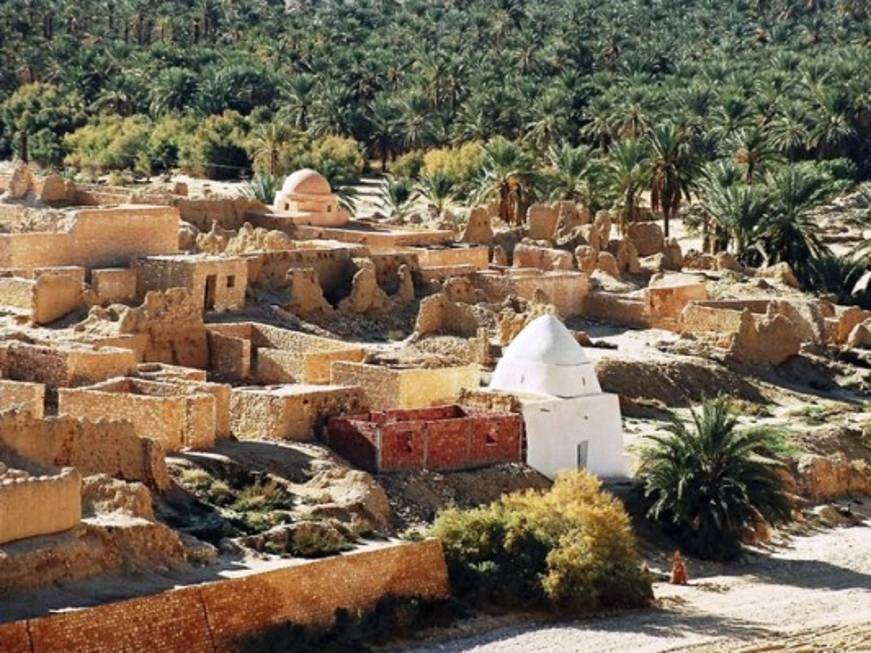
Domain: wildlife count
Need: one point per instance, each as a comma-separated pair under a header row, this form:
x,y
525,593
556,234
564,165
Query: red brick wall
x,y
214,617
438,438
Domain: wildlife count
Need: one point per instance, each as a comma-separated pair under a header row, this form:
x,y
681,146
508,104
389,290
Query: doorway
x,y
211,288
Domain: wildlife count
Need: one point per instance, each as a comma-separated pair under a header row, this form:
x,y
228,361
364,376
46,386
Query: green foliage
x,y
408,165
217,148
571,548
709,483
437,189
36,117
113,143
395,197
263,188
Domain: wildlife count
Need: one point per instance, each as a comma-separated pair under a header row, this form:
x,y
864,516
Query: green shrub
x,y
571,548
709,483
216,149
112,143
408,165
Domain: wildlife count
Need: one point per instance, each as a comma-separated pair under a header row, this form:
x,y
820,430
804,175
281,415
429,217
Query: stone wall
x,y
92,447
216,617
38,501
64,365
47,296
102,237
475,255
113,285
334,267
565,289
229,213
21,395
388,388
283,356
290,412
439,438
216,283
616,309
159,410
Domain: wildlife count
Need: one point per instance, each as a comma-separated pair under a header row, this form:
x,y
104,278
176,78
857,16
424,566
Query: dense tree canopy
x,y
752,79
746,112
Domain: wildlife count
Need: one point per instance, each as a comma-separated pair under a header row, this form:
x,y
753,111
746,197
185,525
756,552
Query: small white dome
x,y
546,340
545,359
306,182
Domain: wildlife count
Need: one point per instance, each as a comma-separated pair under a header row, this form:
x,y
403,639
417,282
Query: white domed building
x,y
306,198
570,423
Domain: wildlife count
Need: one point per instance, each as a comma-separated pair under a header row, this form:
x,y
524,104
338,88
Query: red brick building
x,y
437,438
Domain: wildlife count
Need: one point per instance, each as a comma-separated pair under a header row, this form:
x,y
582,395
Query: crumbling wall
x,y
387,388
290,412
112,285
438,314
69,364
215,283
91,446
228,213
542,258
334,266
29,397
158,410
46,501
771,340
615,309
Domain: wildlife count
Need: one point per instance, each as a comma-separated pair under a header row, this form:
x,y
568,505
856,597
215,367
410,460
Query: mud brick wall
x,y
59,366
216,617
157,410
291,413
388,388
670,301
230,279
112,236
58,291
387,266
607,307
476,255
334,266
29,397
16,293
92,447
34,249
228,213
40,504
229,356
113,285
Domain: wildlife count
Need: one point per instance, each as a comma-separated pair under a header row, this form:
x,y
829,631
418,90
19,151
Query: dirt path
x,y
814,595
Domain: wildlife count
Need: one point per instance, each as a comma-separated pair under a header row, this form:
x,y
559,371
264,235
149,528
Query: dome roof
x,y
306,182
545,340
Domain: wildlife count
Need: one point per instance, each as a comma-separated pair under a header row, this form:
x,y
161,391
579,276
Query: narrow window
x,y
231,282
583,449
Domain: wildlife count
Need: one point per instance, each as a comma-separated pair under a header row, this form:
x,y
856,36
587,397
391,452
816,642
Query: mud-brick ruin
x,y
191,385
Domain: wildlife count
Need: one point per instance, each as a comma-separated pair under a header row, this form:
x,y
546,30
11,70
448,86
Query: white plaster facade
x,y
570,423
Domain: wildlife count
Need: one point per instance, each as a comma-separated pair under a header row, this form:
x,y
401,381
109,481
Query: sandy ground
x,y
814,594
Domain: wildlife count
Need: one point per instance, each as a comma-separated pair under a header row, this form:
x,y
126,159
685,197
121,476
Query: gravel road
x,y
814,595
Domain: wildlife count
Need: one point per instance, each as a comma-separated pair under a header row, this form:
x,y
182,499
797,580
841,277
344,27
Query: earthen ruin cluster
x,y
137,325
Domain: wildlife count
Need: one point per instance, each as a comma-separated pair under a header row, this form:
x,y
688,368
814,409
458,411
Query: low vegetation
x,y
570,549
709,482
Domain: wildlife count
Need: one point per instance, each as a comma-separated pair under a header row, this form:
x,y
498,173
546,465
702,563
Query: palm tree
x,y
384,130
175,89
297,95
673,173
395,197
574,174
629,171
711,482
753,149
438,189
789,233
736,213
508,175
267,140
262,188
